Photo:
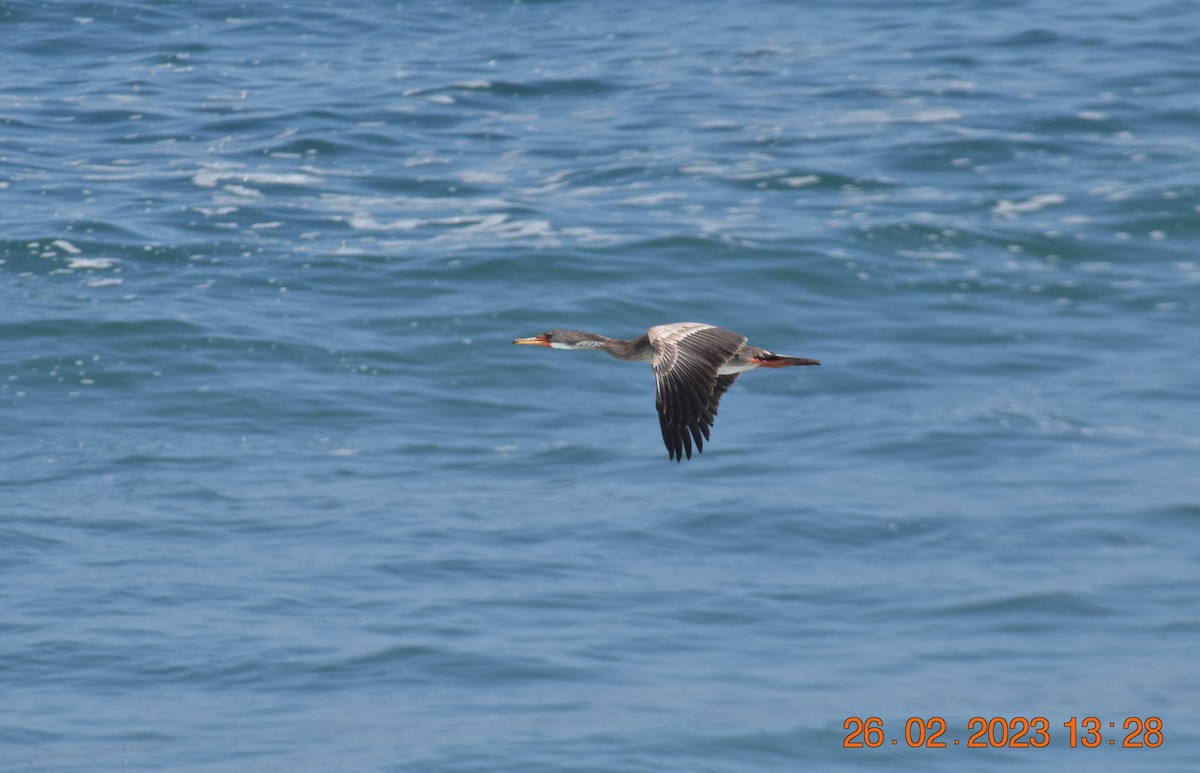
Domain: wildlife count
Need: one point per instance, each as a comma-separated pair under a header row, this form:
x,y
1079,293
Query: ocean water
x,y
277,492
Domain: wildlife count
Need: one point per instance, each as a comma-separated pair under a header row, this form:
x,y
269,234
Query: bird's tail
x,y
781,361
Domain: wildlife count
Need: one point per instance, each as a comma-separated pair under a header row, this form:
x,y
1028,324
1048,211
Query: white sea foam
x,y
365,221
930,254
210,178
482,178
244,192
1006,208
91,263
653,199
932,115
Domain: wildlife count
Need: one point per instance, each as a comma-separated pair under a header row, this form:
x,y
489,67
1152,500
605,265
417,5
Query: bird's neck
x,y
622,349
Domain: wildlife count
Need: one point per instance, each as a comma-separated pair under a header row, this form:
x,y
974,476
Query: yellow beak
x,y
535,341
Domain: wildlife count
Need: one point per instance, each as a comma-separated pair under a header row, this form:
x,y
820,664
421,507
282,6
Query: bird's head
x,y
561,339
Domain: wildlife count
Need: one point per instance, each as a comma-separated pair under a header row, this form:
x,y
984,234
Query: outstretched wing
x,y
687,356
723,384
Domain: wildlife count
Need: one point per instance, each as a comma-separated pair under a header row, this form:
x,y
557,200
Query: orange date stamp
x,y
1006,733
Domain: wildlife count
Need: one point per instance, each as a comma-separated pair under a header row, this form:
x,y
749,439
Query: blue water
x,y
277,492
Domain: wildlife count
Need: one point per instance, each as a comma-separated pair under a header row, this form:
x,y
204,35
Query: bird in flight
x,y
694,364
